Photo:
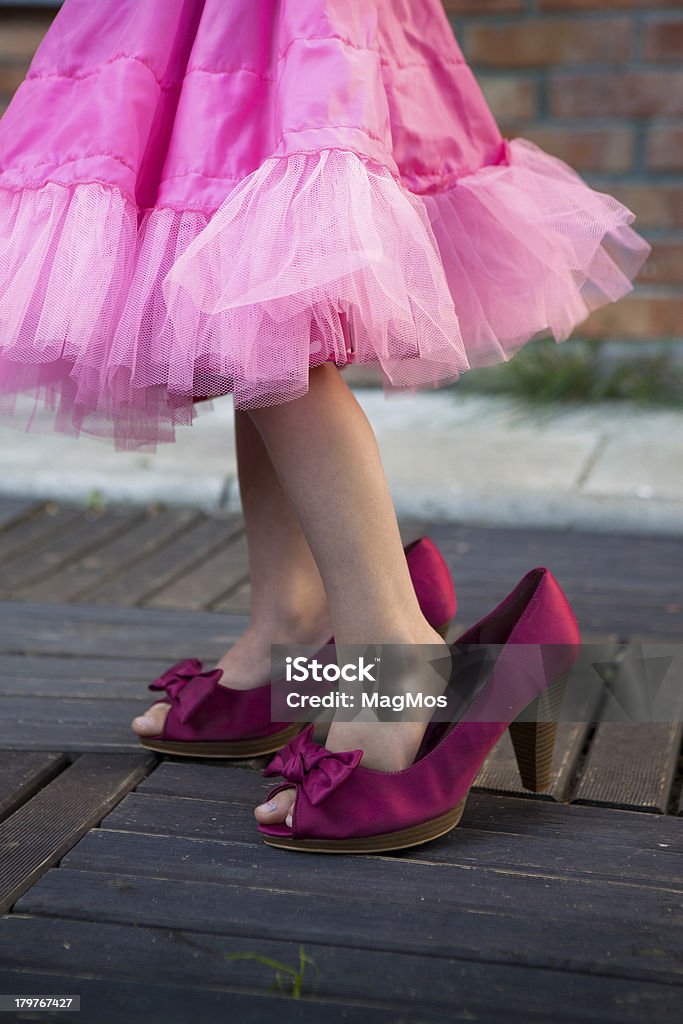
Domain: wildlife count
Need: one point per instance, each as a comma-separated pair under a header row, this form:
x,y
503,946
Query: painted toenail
x,y
288,821
268,808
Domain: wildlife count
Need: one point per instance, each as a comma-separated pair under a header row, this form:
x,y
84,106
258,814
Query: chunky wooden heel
x,y
534,740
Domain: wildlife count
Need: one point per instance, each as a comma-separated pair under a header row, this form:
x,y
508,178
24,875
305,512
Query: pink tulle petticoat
x,y
119,315
313,257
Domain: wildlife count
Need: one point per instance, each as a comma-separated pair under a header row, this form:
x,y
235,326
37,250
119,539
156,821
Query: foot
x,y
248,663
386,746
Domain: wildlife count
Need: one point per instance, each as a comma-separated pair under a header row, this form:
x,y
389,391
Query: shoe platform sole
x,y
400,840
228,748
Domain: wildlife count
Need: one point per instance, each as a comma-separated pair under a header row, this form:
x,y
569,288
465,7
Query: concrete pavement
x,y
449,456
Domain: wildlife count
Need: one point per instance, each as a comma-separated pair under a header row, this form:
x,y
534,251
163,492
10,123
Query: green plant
x,y
284,974
94,501
544,372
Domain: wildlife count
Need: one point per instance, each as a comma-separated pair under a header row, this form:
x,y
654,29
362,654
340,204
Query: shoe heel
x,y
533,741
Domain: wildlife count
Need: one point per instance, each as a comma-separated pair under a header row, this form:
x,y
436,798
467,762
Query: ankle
x,y
410,634
290,625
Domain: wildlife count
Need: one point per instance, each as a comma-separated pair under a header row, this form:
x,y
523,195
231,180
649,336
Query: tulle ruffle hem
x,y
117,321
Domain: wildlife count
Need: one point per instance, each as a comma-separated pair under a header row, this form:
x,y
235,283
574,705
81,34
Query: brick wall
x,y
20,33
598,83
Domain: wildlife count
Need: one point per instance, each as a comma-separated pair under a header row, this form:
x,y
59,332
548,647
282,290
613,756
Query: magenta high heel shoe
x,y
342,807
209,720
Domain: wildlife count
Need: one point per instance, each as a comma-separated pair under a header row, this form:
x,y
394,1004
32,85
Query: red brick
x,y
663,40
601,5
655,205
19,39
483,6
511,97
11,79
545,42
664,147
586,149
641,315
628,94
665,265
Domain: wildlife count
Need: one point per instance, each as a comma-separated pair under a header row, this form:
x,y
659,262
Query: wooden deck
x,y
140,884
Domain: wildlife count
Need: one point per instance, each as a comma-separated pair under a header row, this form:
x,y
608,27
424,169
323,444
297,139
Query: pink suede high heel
x,y
210,720
343,807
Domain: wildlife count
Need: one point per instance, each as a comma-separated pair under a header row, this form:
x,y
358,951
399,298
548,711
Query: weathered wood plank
x,y
87,630
84,577
41,667
141,1001
609,592
50,555
219,780
90,678
477,990
237,601
627,620
142,580
37,532
206,541
591,564
631,765
485,812
17,612
573,556
13,510
591,824
214,860
591,585
22,773
207,582
28,723
100,686
591,591
41,831
594,928
549,848
612,617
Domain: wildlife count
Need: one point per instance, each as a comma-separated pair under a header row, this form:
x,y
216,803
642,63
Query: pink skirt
x,y
204,197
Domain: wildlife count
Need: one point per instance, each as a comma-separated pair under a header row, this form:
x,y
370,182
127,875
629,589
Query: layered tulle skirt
x,y
422,243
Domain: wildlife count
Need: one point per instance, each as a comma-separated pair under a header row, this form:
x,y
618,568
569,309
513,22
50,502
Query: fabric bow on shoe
x,y
185,698
317,770
186,669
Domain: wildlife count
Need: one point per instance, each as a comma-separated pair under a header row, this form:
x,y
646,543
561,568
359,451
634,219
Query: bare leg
x,y
288,602
327,457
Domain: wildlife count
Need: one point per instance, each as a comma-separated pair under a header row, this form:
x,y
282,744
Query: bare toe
x,y
278,809
151,722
